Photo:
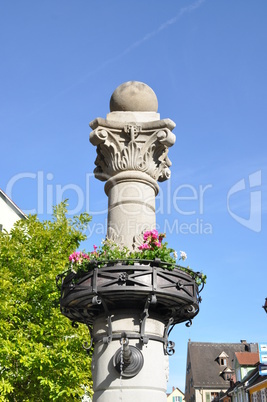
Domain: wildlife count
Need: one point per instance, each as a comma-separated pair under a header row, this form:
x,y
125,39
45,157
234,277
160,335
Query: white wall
x,y
8,216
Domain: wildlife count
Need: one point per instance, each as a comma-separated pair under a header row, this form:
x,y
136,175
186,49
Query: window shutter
x,y
207,397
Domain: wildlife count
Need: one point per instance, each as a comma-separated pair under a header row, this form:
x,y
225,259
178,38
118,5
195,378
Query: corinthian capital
x,y
137,146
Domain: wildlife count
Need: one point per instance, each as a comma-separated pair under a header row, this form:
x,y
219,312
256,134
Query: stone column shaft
x,y
151,382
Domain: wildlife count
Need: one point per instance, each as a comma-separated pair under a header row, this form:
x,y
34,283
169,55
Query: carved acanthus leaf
x,y
129,159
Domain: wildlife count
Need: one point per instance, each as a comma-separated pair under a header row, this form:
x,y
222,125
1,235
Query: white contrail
x,y
163,26
139,42
133,46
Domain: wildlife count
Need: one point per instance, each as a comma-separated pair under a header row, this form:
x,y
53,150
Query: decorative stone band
x,y
123,146
131,176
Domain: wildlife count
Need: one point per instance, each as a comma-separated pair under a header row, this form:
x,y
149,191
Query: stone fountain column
x,y
132,147
130,309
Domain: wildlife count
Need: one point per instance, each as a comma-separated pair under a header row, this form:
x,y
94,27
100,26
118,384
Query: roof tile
x,y
247,358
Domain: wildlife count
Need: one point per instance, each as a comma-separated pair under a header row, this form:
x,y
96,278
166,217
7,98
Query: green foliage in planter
x,y
153,248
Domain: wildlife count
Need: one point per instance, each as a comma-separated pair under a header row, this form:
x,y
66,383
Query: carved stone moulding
x,y
133,177
171,294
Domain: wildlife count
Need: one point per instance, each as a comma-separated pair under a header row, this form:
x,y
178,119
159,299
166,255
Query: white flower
x,y
183,255
175,254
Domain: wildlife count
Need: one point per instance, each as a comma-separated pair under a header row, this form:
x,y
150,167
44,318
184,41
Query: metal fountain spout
x,y
126,351
128,360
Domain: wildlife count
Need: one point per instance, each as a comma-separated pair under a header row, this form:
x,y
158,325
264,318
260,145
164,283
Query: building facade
x,y
244,364
9,212
175,396
257,389
210,369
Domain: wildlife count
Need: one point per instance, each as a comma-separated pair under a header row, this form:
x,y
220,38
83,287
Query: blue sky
x,y
206,60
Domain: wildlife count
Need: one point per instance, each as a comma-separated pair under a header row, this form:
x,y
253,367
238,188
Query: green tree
x,y
41,354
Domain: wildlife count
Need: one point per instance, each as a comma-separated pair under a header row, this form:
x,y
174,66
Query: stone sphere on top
x,y
133,96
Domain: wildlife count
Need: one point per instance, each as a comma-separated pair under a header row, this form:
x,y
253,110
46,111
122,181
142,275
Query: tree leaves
x,y
41,355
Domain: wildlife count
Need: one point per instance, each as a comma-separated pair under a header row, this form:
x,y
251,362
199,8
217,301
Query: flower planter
x,y
172,294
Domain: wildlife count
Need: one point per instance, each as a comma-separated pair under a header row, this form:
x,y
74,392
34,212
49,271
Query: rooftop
x,y
247,358
206,368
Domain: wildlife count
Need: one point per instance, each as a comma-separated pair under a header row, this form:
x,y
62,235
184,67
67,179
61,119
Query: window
x,y
188,368
227,374
190,384
214,395
223,359
177,399
238,374
254,397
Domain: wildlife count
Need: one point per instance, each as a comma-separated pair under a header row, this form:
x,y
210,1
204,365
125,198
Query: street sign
x,y
263,369
263,347
263,358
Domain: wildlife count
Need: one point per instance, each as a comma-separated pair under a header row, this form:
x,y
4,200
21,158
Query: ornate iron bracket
x,y
99,300
168,345
150,300
85,345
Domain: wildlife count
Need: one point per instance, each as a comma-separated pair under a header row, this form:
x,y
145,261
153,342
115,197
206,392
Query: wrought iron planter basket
x,y
117,285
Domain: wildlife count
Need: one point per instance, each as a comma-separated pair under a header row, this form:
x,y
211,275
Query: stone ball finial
x,y
133,96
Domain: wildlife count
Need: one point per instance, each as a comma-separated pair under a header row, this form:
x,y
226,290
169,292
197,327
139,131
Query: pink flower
x,y
144,246
158,244
147,234
161,236
151,233
95,247
78,257
154,234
